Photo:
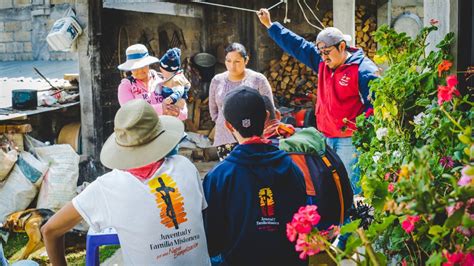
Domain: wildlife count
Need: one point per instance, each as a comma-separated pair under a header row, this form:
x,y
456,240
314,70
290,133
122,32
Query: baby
x,y
175,85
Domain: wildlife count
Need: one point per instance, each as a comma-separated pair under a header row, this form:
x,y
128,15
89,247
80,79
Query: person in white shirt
x,y
154,201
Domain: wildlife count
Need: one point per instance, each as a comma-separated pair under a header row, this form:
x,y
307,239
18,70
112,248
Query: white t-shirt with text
x,y
158,221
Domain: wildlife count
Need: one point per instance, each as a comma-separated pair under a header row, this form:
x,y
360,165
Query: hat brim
x,y
115,156
130,65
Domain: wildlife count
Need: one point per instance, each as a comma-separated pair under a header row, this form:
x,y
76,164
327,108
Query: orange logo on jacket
x,y
267,205
169,200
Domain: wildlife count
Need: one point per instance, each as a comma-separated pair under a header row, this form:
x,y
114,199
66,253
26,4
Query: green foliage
x,y
16,241
419,148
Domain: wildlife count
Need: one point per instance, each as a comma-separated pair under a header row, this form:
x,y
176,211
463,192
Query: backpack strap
x,y
337,181
300,161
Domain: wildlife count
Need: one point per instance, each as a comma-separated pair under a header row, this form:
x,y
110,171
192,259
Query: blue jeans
x,y
348,154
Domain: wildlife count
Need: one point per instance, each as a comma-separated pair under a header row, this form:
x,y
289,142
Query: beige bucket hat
x,y
140,136
137,57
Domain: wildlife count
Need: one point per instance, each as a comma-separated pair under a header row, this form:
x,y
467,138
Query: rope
x,y
286,19
275,5
307,20
314,15
238,8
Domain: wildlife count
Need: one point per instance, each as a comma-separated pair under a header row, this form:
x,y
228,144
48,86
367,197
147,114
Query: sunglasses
x,y
326,50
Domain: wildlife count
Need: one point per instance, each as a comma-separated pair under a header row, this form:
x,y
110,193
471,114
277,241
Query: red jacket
x,y
338,98
343,93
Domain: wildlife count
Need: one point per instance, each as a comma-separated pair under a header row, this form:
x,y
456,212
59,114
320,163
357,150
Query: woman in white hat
x,y
144,83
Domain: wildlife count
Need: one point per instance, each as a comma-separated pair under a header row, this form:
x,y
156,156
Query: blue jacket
x,y
251,196
342,93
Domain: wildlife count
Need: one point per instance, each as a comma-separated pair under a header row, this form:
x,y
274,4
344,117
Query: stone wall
x,y
24,25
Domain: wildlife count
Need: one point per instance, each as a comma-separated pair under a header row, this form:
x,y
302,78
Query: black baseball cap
x,y
244,109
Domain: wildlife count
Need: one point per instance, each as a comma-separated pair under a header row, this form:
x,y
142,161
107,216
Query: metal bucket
x,y
205,63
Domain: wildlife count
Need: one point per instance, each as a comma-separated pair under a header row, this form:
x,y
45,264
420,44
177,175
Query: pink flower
x,y
458,258
301,224
451,81
465,231
468,260
453,258
409,223
465,179
434,21
451,209
445,94
447,162
310,213
404,262
291,232
304,220
391,187
386,176
308,245
330,233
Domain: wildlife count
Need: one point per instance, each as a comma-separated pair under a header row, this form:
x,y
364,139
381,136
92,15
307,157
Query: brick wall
x,y
24,25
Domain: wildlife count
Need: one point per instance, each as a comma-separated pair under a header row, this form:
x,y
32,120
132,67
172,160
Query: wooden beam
x,y
89,13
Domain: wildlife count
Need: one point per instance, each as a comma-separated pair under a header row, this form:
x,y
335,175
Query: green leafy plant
x,y
416,156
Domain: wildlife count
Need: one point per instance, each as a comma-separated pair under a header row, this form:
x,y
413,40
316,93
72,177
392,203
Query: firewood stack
x,y
289,78
365,25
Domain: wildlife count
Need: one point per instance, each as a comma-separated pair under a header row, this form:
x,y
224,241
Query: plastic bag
x,y
16,193
60,182
21,187
7,161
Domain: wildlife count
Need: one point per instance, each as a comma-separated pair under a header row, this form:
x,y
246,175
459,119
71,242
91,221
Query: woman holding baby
x,y
150,85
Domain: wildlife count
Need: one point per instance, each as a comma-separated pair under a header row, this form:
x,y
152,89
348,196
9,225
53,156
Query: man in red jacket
x,y
343,77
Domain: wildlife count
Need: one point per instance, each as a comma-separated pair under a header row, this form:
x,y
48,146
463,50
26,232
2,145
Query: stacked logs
x,y
365,25
289,78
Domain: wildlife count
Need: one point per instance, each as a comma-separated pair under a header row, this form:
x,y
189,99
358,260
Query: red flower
x,y
409,224
468,259
451,81
434,21
404,262
369,112
445,93
458,258
445,65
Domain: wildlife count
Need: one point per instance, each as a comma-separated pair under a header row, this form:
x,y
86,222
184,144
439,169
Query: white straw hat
x,y
137,57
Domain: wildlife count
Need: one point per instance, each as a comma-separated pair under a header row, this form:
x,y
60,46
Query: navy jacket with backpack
x,y
251,197
326,180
